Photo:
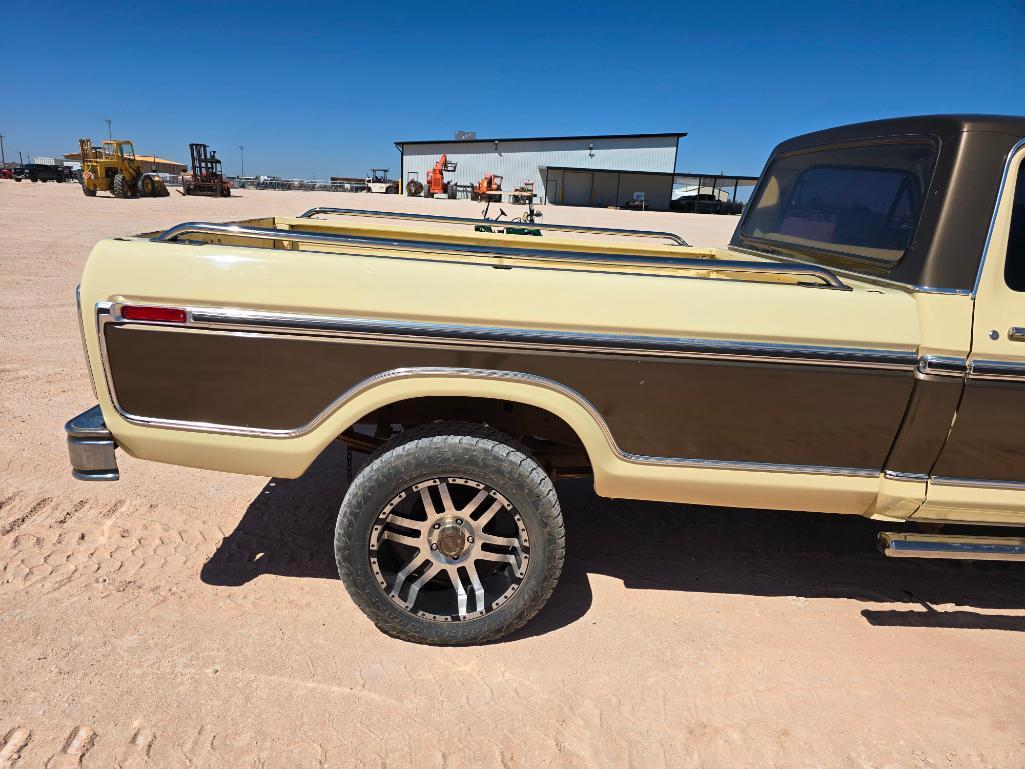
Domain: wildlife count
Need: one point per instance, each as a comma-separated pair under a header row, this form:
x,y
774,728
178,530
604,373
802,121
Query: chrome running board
x,y
968,548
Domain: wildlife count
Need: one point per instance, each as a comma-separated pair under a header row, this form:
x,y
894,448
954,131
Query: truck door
x,y
982,465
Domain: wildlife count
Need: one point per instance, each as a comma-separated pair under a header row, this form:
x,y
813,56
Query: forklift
x,y
436,185
206,177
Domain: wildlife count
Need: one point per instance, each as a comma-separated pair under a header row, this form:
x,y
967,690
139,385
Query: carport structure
x,y
661,191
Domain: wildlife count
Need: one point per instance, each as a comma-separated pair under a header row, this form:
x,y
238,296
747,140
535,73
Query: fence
x,y
308,185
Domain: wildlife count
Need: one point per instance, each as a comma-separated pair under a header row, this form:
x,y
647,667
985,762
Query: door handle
x,y
1016,334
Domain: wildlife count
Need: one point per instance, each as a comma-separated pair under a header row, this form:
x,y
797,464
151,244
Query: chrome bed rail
x,y
827,279
429,218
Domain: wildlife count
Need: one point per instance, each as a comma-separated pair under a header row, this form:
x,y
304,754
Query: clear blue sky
x,y
322,89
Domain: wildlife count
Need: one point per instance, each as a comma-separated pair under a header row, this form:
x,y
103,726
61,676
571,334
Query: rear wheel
x,y
88,192
119,187
146,187
451,535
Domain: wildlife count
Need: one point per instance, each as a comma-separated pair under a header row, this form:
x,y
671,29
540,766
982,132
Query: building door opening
x,y
576,188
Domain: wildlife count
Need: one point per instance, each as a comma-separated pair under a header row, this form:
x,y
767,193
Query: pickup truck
x,y
858,348
41,172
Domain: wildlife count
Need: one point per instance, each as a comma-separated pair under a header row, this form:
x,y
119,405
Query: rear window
x,y
1014,265
863,202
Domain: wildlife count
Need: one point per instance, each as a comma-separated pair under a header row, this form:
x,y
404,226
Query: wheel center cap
x,y
451,540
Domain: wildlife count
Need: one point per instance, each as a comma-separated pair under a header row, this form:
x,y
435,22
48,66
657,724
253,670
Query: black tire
x,y
146,187
479,457
88,192
119,187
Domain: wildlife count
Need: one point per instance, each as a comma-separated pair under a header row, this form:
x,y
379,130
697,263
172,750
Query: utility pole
x,y
242,155
109,136
3,160
21,162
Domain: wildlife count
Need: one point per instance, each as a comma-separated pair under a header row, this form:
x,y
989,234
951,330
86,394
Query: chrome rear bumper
x,y
91,447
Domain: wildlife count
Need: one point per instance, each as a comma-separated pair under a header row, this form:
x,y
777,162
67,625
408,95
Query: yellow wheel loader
x,y
112,168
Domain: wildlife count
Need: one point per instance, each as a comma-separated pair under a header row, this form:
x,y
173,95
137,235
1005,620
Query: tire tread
x,y
517,466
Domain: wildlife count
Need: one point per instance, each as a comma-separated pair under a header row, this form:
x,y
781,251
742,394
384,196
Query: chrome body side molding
x,y
825,278
941,365
996,370
978,483
675,239
227,319
897,475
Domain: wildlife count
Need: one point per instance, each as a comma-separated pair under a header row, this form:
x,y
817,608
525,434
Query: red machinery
x,y
206,177
436,184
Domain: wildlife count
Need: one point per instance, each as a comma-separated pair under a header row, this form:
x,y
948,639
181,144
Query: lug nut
x,y
470,540
459,521
434,546
437,525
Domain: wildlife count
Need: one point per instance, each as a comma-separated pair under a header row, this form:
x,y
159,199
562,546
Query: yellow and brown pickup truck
x,y
858,349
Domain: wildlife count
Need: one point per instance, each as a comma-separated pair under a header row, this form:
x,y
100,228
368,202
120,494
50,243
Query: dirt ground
x,y
188,618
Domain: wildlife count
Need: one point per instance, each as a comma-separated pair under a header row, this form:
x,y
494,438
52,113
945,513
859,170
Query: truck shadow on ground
x,y
288,530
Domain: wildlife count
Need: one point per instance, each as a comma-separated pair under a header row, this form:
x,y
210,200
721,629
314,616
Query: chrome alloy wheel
x,y
449,549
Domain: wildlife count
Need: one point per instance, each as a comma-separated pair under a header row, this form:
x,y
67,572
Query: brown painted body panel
x,y
986,440
926,425
655,406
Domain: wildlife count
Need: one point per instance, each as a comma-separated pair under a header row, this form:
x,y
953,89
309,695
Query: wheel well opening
x,y
549,438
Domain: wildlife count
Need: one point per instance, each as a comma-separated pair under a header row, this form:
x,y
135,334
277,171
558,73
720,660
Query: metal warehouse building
x,y
566,170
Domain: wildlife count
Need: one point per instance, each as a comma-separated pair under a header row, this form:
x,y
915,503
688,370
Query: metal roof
x,y
401,144
144,158
589,169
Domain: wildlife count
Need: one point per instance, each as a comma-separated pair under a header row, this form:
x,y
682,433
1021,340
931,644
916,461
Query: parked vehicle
x,y
705,203
857,349
379,182
42,172
206,177
6,173
112,167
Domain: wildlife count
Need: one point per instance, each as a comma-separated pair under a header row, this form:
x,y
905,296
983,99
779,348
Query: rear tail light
x,y
159,314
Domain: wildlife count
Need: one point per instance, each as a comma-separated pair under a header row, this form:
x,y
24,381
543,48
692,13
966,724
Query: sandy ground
x,y
190,618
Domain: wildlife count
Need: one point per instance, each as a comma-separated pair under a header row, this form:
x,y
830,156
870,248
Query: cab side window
x,y
1014,264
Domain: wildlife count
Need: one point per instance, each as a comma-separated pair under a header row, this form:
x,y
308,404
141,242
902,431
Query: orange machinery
x,y
436,184
484,189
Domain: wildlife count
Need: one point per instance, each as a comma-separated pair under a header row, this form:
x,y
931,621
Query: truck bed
x,y
592,249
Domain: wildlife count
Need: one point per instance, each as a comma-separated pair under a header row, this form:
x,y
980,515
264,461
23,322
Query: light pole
x,y
242,157
3,160
109,136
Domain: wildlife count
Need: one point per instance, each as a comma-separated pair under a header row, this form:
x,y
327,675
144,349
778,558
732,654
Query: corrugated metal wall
x,y
518,161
